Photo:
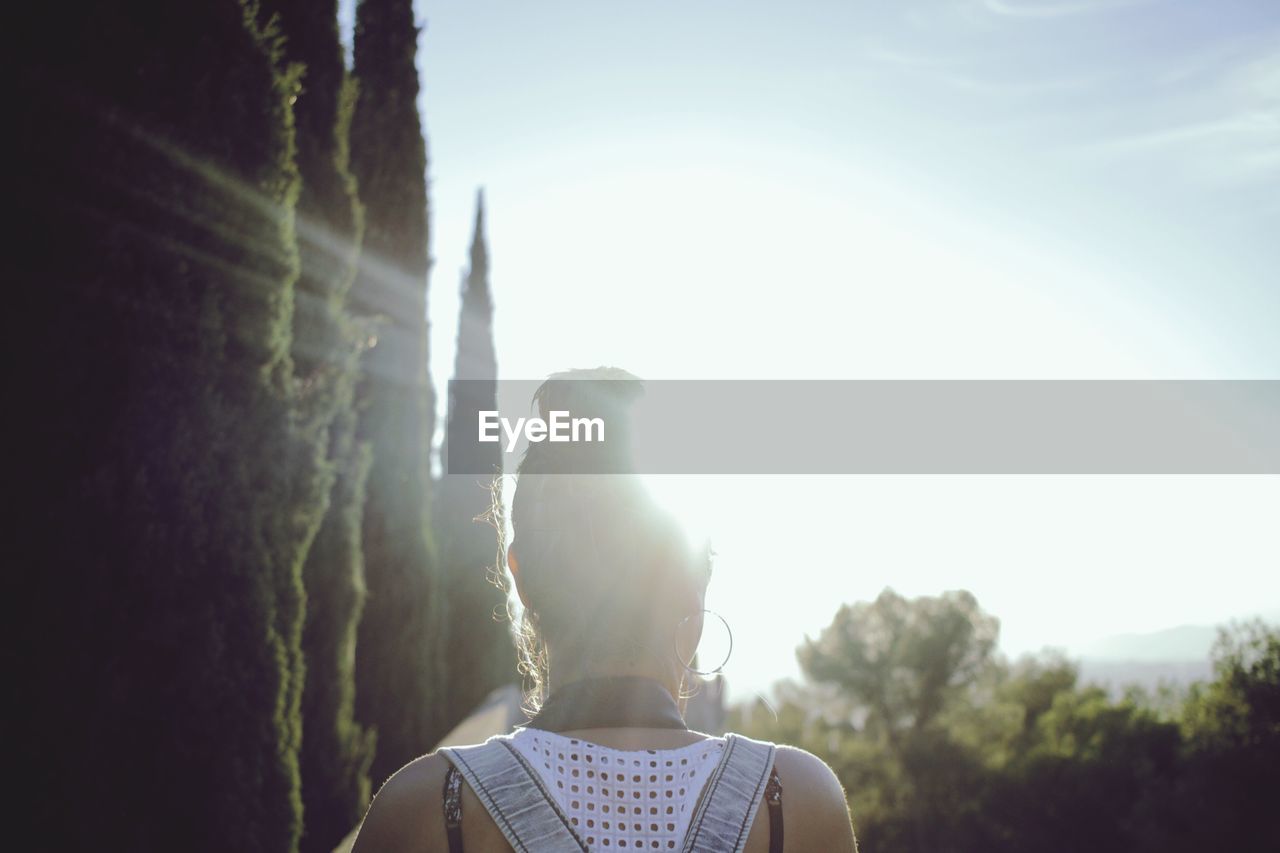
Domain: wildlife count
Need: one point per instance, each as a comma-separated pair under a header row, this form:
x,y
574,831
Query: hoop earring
x,y
675,647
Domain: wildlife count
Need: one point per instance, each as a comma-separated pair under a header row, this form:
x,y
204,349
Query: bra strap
x,y
773,800
453,808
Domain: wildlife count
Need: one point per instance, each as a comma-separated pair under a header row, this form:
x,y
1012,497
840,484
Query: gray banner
x,y
894,427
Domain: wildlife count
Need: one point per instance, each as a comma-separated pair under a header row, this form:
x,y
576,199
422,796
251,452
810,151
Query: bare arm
x,y
405,816
814,807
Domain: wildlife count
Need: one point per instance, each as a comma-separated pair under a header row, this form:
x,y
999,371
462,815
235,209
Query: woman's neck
x,y
560,675
622,704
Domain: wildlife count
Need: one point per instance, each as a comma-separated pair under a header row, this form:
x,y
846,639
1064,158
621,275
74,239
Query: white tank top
x,y
621,799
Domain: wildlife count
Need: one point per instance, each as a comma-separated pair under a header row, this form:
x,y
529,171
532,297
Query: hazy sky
x,y
925,189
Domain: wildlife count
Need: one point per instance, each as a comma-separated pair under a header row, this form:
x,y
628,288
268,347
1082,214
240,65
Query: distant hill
x,y
1176,656
1184,643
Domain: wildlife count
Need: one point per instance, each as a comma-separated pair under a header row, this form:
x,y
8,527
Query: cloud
x,y
1229,130
1013,87
1229,149
1056,8
1190,104
981,72
1256,125
885,55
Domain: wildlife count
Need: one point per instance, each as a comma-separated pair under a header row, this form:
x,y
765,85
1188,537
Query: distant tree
x,y
336,751
1240,708
1021,757
1118,776
922,721
470,505
1224,797
399,666
902,660
160,530
1030,687
1080,783
895,673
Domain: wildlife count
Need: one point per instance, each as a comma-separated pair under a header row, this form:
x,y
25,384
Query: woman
x,y
613,603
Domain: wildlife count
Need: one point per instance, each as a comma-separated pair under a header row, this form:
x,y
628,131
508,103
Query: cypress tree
x,y
336,751
161,526
476,629
398,663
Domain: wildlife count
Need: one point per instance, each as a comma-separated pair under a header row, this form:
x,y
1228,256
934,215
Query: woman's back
x,y
620,798
408,814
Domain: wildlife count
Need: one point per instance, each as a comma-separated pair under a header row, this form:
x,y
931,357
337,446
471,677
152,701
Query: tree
x,y
1107,775
1029,689
1230,761
896,673
1081,780
1021,757
399,668
469,504
901,659
336,751
161,528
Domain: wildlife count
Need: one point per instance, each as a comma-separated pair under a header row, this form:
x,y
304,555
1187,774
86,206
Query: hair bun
x,y
606,393
599,392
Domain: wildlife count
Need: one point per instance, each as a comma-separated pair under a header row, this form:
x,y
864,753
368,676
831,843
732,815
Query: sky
x,y
941,189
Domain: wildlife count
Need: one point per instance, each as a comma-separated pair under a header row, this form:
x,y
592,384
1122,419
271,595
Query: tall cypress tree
x,y
161,525
336,751
398,662
476,630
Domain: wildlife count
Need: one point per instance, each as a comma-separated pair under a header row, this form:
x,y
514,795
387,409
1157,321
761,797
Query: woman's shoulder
x,y
807,770
804,769
815,809
406,812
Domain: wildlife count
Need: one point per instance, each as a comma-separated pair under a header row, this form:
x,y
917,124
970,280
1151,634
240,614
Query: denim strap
x,y
514,795
731,798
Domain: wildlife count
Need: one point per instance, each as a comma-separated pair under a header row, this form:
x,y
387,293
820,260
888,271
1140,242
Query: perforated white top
x,y
621,799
